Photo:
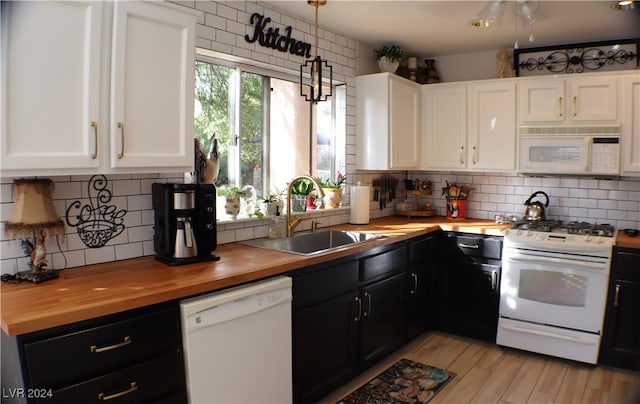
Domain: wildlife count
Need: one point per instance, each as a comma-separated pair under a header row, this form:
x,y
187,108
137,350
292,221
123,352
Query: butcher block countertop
x,y
622,240
102,289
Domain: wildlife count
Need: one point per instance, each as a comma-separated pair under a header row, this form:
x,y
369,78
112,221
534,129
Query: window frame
x,y
268,71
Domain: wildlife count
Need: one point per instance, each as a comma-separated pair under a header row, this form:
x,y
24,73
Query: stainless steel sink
x,y
312,243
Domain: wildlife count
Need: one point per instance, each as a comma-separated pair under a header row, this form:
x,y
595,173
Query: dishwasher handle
x,y
236,309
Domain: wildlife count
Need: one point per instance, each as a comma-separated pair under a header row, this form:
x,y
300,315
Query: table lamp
x,y
34,217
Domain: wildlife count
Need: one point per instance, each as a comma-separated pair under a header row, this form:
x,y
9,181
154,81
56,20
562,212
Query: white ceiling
x,y
437,28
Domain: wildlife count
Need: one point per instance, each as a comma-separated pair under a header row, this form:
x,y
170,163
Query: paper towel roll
x,y
360,196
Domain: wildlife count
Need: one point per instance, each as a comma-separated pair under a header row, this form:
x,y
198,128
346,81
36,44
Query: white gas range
x,y
554,287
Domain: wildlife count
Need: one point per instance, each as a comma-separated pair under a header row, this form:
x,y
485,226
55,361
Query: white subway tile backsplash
x,y
140,233
126,251
598,193
100,255
127,187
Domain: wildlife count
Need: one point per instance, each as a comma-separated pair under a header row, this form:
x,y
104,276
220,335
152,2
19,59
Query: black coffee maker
x,y
185,222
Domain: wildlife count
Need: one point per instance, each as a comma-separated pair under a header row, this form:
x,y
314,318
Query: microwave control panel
x,y
605,155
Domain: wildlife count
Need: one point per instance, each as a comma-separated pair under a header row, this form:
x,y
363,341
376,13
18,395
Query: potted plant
x,y
300,191
332,190
231,197
388,57
270,202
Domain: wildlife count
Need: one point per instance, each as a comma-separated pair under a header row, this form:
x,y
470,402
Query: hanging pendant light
x,y
311,89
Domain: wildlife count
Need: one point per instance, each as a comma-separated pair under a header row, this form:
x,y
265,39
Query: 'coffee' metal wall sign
x,y
271,38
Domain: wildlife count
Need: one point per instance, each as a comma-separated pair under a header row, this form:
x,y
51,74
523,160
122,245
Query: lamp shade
x,y
33,211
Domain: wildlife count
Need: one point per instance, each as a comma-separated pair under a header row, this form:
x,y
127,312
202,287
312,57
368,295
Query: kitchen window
x,y
266,132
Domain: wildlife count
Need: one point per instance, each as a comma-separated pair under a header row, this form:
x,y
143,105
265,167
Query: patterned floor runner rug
x,y
405,381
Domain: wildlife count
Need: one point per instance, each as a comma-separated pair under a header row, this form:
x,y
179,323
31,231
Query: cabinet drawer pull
x,y
616,299
103,397
359,313
94,125
126,341
474,246
121,126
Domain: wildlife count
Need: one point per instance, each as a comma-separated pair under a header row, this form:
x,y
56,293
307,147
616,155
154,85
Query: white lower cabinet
x,y
109,88
469,126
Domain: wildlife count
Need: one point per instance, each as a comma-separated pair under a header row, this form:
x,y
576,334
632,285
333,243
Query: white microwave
x,y
569,150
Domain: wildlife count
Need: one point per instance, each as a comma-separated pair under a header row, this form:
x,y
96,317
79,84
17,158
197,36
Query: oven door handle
x,y
548,334
559,261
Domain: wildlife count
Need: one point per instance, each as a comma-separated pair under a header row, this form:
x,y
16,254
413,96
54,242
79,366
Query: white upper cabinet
x,y
50,85
444,126
568,100
630,125
492,126
469,126
388,122
152,75
60,57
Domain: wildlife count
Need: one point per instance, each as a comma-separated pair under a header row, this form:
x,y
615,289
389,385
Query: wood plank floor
x,y
487,373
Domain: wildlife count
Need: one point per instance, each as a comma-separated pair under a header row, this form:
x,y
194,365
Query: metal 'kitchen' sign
x,y
271,38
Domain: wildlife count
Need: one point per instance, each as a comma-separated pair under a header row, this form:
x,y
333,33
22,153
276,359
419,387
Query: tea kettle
x,y
535,210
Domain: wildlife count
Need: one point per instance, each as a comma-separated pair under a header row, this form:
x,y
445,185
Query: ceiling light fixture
x,y
493,12
311,89
624,5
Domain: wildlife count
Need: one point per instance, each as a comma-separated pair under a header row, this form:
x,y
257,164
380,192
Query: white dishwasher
x,y
237,344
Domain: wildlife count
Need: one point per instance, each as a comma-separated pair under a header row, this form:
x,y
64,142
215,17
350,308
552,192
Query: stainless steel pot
x,y
536,210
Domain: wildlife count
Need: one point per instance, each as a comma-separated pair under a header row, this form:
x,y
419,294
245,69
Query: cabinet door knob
x,y
95,349
121,154
94,125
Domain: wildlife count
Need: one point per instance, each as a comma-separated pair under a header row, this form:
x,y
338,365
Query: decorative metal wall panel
x,y
577,58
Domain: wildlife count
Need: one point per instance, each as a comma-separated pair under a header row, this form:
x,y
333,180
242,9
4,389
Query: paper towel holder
x,y
359,200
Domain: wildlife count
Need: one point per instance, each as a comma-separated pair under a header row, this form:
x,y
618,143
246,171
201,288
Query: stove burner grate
x,y
574,227
591,229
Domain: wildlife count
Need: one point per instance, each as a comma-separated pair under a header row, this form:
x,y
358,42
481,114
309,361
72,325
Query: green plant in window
x,y
302,187
224,191
329,183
